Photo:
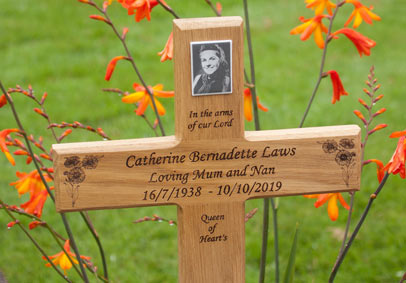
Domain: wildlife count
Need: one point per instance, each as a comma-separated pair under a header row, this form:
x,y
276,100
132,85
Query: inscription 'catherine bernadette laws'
x,y
196,156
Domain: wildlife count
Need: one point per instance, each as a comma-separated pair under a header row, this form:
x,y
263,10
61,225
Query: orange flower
x,y
36,203
64,134
338,88
112,65
332,208
361,13
62,259
32,183
142,7
361,42
397,163
28,182
359,115
309,26
3,100
142,97
380,172
24,152
35,224
3,146
219,8
99,18
167,52
319,5
248,104
377,128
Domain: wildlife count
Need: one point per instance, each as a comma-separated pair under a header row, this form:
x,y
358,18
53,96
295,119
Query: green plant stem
x,y
348,224
53,233
363,146
213,8
264,246
169,9
265,218
74,246
92,230
56,236
65,222
150,125
89,224
33,241
252,66
356,230
323,61
276,238
131,59
403,278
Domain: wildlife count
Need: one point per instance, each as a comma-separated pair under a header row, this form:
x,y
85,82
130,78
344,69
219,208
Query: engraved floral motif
x,y
72,161
344,157
330,146
347,143
77,175
90,162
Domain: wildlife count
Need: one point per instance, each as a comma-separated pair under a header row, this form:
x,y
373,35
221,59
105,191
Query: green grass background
x,y
54,46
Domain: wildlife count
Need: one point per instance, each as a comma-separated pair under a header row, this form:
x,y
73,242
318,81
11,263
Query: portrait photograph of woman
x,y
211,67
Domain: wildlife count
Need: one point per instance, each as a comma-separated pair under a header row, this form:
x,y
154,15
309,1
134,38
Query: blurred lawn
x,y
54,46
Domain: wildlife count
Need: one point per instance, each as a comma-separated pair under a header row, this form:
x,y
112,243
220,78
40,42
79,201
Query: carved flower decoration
x,y
72,161
90,162
347,143
330,146
344,157
75,175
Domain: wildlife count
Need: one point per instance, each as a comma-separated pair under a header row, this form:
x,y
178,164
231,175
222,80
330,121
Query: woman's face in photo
x,y
210,61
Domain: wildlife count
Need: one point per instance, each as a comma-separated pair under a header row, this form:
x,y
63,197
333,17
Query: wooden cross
x,y
211,166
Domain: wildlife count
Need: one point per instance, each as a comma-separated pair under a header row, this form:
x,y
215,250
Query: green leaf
x,y
290,269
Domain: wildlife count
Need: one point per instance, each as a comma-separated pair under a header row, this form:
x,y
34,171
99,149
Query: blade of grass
x,y
290,268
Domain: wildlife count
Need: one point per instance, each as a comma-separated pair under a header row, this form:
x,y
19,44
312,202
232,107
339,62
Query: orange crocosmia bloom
x,y
167,52
397,163
319,5
36,203
62,259
23,152
398,134
3,100
361,42
32,183
35,224
309,26
248,104
338,88
361,13
112,65
142,8
380,172
332,208
29,182
3,145
142,97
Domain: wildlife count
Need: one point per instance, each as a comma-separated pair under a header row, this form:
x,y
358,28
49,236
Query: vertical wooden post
x,y
213,230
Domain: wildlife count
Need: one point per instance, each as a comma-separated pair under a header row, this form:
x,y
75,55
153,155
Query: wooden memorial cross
x,y
211,166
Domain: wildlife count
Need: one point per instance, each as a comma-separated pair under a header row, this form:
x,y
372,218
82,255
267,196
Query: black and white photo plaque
x,y
211,63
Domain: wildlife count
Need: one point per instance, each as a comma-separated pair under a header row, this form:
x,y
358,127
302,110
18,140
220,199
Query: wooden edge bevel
x,y
207,23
